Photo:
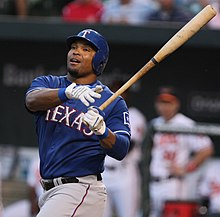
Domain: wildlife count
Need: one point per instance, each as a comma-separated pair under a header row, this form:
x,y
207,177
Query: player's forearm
x,y
199,158
41,100
120,148
109,141
193,164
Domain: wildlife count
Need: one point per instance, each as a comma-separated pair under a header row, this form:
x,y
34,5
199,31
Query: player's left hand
x,y
94,118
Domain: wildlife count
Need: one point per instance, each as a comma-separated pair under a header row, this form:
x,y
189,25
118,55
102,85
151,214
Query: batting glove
x,y
94,118
82,92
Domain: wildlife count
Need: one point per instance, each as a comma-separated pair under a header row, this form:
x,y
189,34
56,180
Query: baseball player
x,y
209,187
172,161
73,138
34,186
123,194
1,204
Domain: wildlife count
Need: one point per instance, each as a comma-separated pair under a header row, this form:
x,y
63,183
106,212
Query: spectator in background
x,y
25,8
122,178
21,8
214,23
209,188
175,157
133,12
18,8
170,11
85,11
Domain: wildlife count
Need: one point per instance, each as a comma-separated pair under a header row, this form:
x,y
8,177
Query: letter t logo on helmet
x,y
98,41
85,32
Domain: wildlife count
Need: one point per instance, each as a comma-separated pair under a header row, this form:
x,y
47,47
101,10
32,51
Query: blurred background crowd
x,y
132,12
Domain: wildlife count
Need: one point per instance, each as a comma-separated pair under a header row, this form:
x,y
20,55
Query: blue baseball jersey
x,y
67,147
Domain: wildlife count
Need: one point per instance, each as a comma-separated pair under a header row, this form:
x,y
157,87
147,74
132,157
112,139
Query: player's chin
x,y
73,71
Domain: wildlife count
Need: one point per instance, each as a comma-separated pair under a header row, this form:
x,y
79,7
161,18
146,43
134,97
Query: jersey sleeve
x,y
118,122
118,118
199,142
37,84
44,82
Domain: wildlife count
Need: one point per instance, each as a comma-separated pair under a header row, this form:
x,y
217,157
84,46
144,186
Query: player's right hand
x,y
94,119
83,93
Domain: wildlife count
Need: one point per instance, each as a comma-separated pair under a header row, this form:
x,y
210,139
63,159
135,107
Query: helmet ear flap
x,y
99,62
100,68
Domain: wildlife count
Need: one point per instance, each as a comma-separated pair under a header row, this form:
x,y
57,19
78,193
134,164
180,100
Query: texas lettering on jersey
x,y
68,116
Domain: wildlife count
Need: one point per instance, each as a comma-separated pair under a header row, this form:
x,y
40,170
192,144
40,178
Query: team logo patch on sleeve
x,y
126,118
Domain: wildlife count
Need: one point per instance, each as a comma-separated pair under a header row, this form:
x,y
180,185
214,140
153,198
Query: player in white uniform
x,y
171,156
122,178
209,188
34,187
1,204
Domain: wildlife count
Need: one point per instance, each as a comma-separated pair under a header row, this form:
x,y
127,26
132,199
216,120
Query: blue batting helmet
x,y
98,41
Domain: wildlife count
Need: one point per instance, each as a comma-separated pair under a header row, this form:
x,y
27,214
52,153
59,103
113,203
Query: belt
x,y
47,184
159,179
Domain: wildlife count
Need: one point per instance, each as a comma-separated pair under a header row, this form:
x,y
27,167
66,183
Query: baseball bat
x,y
184,34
